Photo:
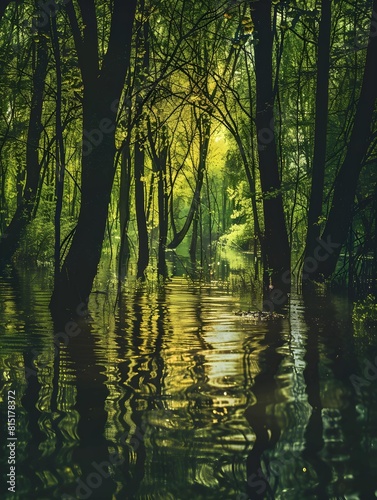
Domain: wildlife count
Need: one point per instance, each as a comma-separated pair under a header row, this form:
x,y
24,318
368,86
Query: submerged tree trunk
x,y
103,83
143,255
141,69
124,211
275,242
24,212
160,159
59,150
162,212
194,240
321,116
339,220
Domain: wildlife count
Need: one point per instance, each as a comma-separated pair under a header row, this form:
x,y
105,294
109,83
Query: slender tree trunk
x,y
209,219
103,85
276,245
224,205
162,212
160,159
124,211
374,248
143,256
23,215
340,216
3,200
21,174
194,239
250,174
250,166
321,117
142,67
3,178
60,151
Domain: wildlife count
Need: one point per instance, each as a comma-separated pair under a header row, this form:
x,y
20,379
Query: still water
x,y
170,395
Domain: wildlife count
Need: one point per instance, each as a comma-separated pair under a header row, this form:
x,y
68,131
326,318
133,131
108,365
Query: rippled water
x,y
169,395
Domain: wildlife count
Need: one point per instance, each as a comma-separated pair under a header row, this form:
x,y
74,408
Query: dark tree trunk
x,y
59,150
103,84
162,213
275,242
339,220
124,211
250,174
194,240
142,67
321,116
24,212
143,256
374,248
160,159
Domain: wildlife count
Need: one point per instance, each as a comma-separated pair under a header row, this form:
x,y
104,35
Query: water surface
x,y
170,395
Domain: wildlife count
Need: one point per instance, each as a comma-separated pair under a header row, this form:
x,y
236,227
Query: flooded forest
x,y
188,249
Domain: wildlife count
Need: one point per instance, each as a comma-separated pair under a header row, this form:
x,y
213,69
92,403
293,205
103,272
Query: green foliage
x,y
240,233
238,236
365,313
36,244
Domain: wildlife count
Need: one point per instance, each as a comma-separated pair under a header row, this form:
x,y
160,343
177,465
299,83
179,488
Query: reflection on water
x,y
171,396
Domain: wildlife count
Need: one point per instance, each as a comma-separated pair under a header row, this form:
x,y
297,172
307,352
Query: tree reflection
x,y
91,394
261,418
314,430
341,446
142,367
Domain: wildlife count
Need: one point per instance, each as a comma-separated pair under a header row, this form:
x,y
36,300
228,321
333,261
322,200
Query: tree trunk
x,y
143,257
59,150
141,68
102,91
160,159
276,245
321,116
339,220
194,240
124,211
162,212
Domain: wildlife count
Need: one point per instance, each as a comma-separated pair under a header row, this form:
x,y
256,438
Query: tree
x,y
321,118
103,79
141,69
276,245
341,211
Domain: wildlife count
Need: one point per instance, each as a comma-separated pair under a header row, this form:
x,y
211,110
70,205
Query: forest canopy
x,y
137,128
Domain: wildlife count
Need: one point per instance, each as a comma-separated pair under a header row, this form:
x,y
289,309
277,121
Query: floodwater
x,y
170,395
